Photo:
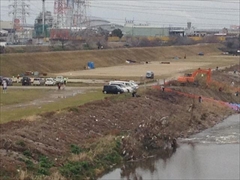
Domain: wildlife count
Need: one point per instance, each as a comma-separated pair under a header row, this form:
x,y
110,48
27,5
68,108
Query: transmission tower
x,y
80,13
19,12
60,7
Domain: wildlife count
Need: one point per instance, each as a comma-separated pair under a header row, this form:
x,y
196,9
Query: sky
x,y
202,13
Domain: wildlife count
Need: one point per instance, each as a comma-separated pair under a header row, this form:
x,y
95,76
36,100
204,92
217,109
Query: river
x,y
211,154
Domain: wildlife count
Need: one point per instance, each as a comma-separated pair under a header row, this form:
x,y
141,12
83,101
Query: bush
x,y
44,165
27,153
76,169
75,149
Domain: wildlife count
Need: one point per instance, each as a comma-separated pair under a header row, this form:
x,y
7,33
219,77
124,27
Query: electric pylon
x,y
80,13
60,7
19,12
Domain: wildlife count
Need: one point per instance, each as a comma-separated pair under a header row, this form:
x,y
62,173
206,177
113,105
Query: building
x,y
145,30
94,23
6,25
38,25
6,31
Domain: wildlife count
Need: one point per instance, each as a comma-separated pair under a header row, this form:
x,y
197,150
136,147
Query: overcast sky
x,y
202,13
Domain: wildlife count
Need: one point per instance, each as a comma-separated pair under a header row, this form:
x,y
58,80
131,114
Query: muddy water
x,y
211,154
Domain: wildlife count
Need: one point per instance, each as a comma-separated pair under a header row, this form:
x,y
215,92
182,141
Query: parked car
x,y
59,79
134,84
38,81
128,85
26,81
50,82
149,75
8,80
122,86
112,89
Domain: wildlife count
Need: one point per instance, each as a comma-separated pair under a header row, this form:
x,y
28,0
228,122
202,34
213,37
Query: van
x,y
112,89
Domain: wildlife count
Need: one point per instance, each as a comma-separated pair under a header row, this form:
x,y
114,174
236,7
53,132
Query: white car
x,y
50,82
122,86
38,81
59,79
129,87
135,85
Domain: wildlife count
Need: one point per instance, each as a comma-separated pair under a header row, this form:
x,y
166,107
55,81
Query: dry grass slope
x,y
56,62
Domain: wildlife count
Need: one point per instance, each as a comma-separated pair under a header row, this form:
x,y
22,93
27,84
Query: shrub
x,y
27,153
75,149
76,169
20,143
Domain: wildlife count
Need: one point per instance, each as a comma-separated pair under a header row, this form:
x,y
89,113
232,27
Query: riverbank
x,y
200,156
86,141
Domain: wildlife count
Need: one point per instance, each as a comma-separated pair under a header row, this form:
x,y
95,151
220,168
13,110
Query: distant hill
x,y
63,61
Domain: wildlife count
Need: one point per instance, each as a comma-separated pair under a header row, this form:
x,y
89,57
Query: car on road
x,y
38,81
50,82
149,75
26,81
112,89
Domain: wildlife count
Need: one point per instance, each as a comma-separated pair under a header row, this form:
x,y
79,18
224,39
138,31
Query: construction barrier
x,y
230,105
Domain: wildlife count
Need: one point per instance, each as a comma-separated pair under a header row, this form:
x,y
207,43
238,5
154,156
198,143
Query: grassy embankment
x,y
15,97
100,154
56,62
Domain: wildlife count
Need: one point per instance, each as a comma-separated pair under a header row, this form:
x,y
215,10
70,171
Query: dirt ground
x,y
153,120
174,69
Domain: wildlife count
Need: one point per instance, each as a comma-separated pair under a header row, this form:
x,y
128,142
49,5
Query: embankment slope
x,y
56,62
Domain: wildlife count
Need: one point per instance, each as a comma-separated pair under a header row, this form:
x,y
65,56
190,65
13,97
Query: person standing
x,y
4,84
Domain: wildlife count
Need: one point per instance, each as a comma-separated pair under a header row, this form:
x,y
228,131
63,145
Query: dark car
x,y
8,80
112,89
26,81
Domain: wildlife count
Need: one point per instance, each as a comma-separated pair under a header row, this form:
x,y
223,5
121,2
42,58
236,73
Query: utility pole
x,y
43,18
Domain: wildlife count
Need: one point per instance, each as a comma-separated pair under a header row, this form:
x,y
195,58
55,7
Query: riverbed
x,y
211,154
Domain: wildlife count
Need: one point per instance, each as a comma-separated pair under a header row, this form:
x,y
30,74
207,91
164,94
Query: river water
x,y
211,154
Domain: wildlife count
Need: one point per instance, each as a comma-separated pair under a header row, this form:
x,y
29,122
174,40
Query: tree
x,y
118,33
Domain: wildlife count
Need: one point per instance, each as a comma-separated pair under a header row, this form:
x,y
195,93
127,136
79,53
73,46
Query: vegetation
x,y
100,156
118,33
15,96
61,103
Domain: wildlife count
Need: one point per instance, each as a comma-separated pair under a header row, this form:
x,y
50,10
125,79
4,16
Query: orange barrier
x,y
193,96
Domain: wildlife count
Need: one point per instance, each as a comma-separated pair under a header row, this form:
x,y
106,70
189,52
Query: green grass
x,y
15,96
59,104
